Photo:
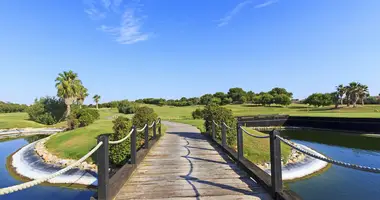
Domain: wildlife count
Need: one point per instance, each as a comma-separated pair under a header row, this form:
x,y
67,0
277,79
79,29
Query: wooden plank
x,y
184,165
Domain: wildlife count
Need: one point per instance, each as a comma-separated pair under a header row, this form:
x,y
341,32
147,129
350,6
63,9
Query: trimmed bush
x,y
82,117
219,114
47,110
127,107
120,153
142,116
197,114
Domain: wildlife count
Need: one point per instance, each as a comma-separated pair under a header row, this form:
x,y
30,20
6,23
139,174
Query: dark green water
x,y
339,182
36,192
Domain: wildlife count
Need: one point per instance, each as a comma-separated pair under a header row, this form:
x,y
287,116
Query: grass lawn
x,y
21,120
76,143
257,150
175,113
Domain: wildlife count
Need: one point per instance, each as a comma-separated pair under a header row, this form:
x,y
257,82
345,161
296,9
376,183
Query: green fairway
x,y
184,113
20,120
257,149
76,143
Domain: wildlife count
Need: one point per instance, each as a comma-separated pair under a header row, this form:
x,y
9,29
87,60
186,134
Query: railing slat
x,y
103,166
275,158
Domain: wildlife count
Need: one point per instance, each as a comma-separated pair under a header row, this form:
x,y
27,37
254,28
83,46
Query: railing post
x,y
154,129
159,127
239,141
146,134
275,158
213,130
103,167
224,143
133,145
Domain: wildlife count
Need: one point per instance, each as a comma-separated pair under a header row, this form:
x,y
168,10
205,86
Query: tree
x,y
282,99
236,94
220,95
363,93
348,95
354,88
278,91
341,91
68,86
250,96
205,99
319,99
266,99
216,101
226,101
96,99
336,97
82,95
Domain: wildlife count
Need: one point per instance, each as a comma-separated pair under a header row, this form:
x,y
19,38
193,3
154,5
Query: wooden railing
x,y
272,183
108,187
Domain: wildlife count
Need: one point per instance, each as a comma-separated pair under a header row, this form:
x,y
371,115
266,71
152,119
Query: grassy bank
x,y
76,143
257,150
21,120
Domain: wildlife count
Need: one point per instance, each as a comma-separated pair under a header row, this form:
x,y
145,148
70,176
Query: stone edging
x,y
49,158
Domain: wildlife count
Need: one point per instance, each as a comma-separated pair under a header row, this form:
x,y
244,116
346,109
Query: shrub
x,y
12,107
82,117
219,114
127,107
142,116
197,114
47,110
226,101
119,153
72,122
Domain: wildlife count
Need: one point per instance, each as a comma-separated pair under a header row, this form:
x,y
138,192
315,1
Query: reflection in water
x,y
339,182
37,192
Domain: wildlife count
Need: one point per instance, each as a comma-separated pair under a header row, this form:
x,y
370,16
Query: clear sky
x,y
172,48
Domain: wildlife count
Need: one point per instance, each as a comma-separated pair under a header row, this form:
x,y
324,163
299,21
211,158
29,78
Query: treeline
x,y
277,95
351,94
12,107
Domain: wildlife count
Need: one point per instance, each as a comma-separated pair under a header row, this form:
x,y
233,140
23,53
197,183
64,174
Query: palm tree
x,y
68,86
96,99
341,91
354,88
363,92
82,95
348,95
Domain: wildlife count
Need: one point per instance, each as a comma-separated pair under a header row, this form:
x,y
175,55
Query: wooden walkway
x,y
183,165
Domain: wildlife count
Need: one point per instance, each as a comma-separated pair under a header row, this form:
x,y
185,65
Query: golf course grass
x,y
21,120
76,143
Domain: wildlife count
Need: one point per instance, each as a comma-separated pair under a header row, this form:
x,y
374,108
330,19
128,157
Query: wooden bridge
x,y
184,165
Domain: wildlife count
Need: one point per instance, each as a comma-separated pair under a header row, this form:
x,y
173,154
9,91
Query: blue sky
x,y
172,48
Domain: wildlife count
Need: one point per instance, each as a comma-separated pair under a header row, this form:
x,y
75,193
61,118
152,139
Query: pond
x,y
36,192
339,182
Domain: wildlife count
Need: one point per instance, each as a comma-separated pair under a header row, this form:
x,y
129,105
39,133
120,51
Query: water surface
x,y
36,192
339,182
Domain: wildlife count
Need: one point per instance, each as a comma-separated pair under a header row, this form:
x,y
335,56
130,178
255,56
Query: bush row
x,y
80,117
12,107
120,153
127,107
47,110
218,114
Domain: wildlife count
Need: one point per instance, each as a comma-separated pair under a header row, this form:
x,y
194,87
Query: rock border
x,y
27,163
49,158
